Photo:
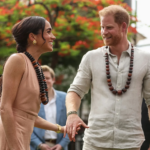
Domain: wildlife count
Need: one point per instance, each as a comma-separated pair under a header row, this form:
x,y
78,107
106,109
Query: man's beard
x,y
113,41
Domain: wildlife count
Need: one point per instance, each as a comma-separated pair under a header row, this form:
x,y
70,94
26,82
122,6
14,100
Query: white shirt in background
x,y
50,114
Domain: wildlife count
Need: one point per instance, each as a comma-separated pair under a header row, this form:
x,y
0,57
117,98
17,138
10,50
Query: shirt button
x,y
117,99
116,113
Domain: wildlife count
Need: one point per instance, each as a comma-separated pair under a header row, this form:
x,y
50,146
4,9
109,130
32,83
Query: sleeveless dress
x,y
25,108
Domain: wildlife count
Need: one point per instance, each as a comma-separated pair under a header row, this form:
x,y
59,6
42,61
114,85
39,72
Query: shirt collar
x,y
54,98
106,50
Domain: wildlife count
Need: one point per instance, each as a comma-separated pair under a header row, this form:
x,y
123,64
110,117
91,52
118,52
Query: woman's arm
x,y
43,124
13,71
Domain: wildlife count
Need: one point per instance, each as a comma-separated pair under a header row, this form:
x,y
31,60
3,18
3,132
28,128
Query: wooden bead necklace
x,y
108,77
41,79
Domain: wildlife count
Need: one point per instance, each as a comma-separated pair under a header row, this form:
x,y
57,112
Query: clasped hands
x,y
46,147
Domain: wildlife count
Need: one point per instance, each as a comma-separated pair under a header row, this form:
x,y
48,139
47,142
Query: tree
x,y
75,24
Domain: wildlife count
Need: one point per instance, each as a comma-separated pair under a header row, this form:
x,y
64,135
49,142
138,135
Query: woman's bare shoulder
x,y
15,62
16,59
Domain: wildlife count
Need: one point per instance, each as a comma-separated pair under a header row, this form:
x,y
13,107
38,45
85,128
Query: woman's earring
x,y
34,42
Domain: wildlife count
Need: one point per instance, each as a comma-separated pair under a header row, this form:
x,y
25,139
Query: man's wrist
x,y
71,112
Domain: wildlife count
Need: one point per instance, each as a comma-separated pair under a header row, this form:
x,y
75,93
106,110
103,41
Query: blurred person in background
x,y
54,112
118,75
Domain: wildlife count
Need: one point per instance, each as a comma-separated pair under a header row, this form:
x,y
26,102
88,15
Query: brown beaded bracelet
x,y
71,112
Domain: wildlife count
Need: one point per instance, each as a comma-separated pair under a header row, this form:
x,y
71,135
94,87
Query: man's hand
x,y
57,147
72,125
149,148
45,147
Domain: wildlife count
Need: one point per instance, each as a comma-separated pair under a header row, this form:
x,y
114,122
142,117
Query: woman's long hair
x,y
21,31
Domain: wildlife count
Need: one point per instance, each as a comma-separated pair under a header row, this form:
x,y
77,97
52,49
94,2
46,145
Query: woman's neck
x,y
34,52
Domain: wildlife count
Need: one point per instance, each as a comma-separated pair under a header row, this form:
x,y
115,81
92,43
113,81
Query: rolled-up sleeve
x,y
83,78
146,86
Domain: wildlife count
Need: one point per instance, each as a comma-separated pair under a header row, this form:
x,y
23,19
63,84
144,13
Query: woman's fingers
x,y
64,131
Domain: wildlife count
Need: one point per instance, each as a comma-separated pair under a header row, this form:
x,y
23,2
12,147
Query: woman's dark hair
x,y
22,29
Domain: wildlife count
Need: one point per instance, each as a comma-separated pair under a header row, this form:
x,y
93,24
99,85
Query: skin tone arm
x,y
12,75
73,103
43,124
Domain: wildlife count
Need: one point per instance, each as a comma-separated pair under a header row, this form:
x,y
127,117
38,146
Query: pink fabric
x,y
25,108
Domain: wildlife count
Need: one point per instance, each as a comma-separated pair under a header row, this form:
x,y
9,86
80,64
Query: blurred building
x,y
129,2
137,37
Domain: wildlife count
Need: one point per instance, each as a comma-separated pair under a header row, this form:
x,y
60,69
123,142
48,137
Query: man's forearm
x,y
73,121
72,101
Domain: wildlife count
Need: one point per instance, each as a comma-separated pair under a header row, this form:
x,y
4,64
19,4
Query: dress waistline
x,y
24,114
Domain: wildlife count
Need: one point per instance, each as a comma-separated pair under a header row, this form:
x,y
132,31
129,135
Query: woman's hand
x,y
63,129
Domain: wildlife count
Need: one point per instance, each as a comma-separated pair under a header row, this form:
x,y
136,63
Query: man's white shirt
x,y
114,121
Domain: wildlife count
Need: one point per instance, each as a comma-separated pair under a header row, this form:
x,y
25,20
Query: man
x,y
119,76
54,112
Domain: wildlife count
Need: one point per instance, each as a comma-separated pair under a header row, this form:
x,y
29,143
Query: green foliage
x,y
6,51
1,69
64,76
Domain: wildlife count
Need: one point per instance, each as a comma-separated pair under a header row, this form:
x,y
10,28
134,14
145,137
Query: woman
x,y
21,93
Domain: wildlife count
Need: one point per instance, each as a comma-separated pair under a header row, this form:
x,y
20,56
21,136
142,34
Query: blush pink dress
x,y
25,108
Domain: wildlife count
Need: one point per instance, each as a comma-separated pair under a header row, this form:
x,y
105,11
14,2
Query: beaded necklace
x,y
108,77
41,79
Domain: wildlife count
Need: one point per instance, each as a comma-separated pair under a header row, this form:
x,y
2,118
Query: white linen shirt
x,y
50,114
114,121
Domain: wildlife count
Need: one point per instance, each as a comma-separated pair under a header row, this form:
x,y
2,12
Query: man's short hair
x,y
49,69
119,13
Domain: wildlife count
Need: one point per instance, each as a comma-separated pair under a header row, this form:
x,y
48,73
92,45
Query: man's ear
x,y
124,27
